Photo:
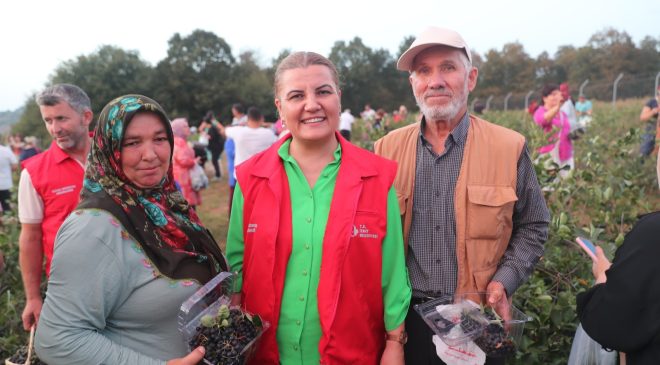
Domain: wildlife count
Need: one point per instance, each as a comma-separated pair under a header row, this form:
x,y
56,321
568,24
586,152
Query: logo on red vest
x,y
252,227
64,190
362,231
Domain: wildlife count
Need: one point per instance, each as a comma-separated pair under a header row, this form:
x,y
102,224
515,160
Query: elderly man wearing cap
x,y
474,217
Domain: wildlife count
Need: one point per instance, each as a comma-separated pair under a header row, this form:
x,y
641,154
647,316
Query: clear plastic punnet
x,y
228,333
466,318
454,323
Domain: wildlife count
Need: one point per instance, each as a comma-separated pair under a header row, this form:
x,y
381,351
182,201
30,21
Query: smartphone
x,y
587,246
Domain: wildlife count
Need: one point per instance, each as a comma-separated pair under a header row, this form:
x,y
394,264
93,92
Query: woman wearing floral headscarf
x,y
131,252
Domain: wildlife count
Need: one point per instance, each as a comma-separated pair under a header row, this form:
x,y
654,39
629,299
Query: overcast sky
x,y
37,35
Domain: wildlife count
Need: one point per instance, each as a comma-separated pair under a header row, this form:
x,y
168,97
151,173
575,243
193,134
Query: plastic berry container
x,y
464,318
454,323
500,337
229,334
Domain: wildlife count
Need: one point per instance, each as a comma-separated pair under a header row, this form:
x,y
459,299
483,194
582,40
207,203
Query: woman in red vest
x,y
315,234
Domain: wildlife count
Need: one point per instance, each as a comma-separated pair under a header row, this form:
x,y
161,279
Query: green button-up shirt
x,y
299,327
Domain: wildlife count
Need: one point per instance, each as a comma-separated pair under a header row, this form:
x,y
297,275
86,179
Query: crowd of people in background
x,y
460,212
565,121
23,148
380,120
208,140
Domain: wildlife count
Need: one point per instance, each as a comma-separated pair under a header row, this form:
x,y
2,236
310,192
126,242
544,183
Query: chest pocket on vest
x,y
368,228
364,257
489,210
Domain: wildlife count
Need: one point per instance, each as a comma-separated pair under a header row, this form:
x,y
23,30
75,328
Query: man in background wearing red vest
x,y
50,185
474,217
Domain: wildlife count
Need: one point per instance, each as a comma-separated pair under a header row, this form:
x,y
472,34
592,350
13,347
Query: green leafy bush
x,y
12,299
600,199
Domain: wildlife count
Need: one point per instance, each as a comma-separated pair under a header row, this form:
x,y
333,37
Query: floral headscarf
x,y
159,218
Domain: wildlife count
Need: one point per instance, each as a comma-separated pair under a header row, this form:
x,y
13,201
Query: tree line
x,y
200,73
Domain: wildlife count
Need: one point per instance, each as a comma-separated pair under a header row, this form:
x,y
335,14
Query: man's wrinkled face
x,y
441,82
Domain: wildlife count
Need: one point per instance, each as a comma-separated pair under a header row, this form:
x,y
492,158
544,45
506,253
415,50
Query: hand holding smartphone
x,y
587,246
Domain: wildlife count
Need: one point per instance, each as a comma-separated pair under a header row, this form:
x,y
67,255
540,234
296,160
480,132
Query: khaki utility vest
x,y
483,199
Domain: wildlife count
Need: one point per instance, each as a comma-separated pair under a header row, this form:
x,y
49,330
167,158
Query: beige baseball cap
x,y
432,36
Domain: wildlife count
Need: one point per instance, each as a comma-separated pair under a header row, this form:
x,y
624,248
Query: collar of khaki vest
x,y
458,134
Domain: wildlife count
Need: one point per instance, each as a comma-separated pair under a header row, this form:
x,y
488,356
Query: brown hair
x,y
548,89
302,60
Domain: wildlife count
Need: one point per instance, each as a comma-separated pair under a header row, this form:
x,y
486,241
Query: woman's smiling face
x,y
145,150
308,100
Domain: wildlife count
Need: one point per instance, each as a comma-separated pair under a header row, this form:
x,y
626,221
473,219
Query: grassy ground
x,y
213,211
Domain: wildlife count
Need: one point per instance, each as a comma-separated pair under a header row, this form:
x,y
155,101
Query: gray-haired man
x,y
474,218
50,184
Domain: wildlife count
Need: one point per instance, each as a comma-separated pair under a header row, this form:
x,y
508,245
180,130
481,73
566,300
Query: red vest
x,y
57,178
350,300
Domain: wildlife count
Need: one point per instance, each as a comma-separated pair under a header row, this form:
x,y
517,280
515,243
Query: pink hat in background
x,y
430,37
180,127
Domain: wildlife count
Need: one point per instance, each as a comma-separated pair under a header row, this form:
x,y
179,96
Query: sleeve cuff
x,y
396,313
238,283
29,220
508,278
